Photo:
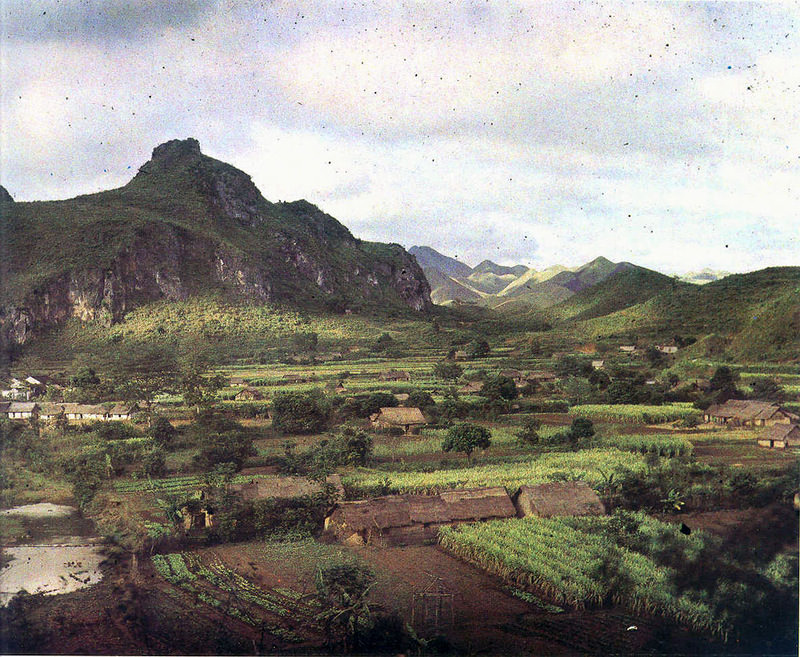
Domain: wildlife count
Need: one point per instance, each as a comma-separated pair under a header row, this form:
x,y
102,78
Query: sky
x,y
664,134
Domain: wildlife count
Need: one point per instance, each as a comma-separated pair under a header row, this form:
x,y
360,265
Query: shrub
x,y
299,412
154,464
231,447
466,438
162,431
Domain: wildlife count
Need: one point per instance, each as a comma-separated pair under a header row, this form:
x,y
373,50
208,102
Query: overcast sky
x,y
666,134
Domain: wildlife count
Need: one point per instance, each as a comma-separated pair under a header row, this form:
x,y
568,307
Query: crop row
x,y
574,567
661,444
188,571
590,465
636,412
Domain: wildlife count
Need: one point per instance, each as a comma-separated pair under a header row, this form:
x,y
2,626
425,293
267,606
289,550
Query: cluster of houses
x,y
25,388
782,426
45,411
416,519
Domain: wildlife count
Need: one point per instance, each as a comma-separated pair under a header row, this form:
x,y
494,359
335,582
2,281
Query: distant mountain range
x,y
756,315
493,285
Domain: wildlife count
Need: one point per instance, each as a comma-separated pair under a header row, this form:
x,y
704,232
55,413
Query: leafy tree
x,y
654,356
447,371
477,348
600,379
299,412
162,431
84,377
466,438
529,433
577,390
622,391
342,590
154,463
568,365
220,448
420,399
141,371
500,387
724,381
767,389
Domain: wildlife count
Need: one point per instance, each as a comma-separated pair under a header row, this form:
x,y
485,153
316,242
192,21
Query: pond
x,y
47,548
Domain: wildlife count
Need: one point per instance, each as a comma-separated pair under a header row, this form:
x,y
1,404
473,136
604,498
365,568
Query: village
x,y
367,454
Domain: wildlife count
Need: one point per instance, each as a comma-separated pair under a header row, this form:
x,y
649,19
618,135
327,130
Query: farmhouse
x,y
18,410
395,375
120,411
514,375
739,412
781,435
667,348
16,390
598,364
249,394
543,376
560,498
50,410
406,418
628,348
414,519
471,388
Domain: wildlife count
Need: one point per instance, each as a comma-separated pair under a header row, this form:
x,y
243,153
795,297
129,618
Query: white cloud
x,y
525,132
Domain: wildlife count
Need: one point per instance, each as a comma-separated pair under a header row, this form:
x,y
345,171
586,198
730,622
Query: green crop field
x,y
572,564
639,413
661,444
590,465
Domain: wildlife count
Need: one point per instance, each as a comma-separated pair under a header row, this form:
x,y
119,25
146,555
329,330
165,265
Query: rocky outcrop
x,y
207,227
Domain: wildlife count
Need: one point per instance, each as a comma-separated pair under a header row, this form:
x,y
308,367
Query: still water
x,y
56,552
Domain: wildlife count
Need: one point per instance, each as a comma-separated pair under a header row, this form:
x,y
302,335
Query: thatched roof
x,y
783,431
122,408
478,503
22,407
394,511
471,387
51,408
559,498
400,416
747,410
84,409
249,393
395,375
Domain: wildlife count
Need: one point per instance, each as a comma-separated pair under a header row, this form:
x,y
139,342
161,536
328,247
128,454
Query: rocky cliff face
x,y
184,225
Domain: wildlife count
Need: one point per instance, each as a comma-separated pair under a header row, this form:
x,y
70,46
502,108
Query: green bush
x,y
300,412
466,438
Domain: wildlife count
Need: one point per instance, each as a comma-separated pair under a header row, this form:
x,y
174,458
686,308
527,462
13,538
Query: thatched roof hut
x,y
249,394
414,519
399,416
742,412
471,388
478,503
559,498
781,435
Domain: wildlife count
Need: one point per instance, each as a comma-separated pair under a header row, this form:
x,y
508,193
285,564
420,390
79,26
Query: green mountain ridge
x,y
187,224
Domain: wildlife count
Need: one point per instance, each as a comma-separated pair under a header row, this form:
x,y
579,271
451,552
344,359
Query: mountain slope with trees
x,y
187,224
